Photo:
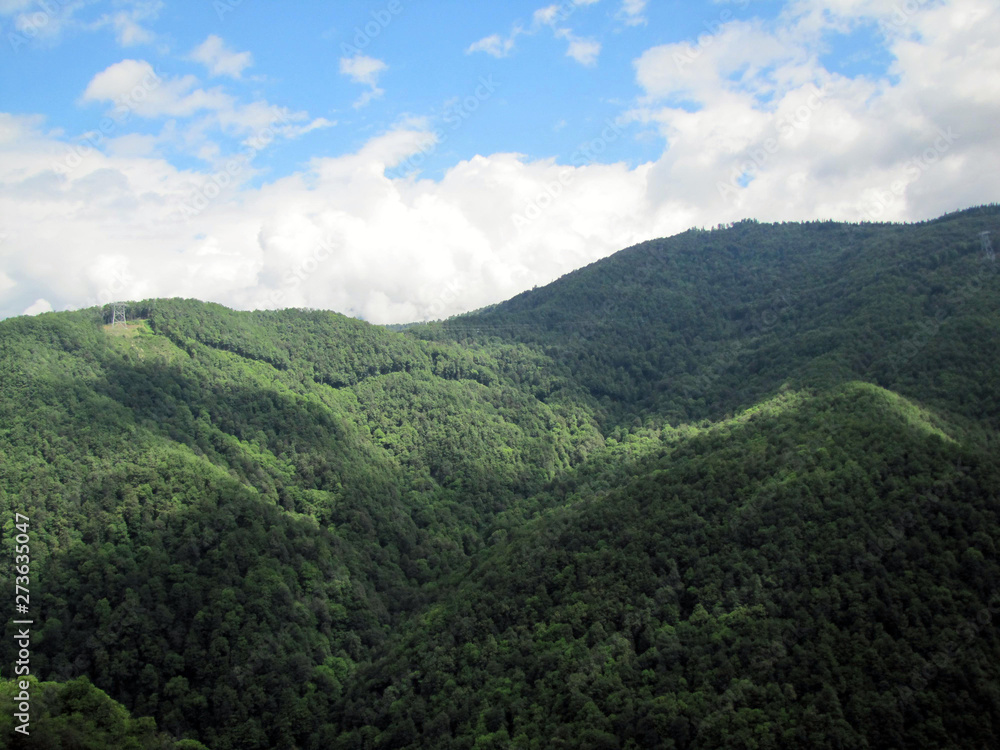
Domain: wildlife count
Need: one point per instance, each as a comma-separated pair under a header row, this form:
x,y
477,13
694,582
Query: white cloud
x,y
340,234
130,33
748,135
547,15
366,71
39,25
128,21
133,87
362,69
631,12
133,145
135,84
294,131
47,22
220,60
584,51
38,307
703,69
494,44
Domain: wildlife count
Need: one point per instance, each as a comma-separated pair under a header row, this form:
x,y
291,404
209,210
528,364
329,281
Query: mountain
x,y
735,487
806,575
707,322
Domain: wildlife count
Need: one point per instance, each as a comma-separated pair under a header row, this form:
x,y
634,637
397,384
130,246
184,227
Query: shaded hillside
x,y
821,572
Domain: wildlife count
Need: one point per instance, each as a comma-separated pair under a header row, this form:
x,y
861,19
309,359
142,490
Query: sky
x,y
404,160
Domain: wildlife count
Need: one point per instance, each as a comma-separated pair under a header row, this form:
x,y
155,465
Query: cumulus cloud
x,y
151,95
340,234
38,307
758,127
133,87
219,59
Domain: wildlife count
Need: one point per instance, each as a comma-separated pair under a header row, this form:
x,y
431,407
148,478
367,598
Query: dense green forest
x,y
734,488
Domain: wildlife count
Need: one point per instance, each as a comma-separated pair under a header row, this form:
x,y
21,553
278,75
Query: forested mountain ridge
x,y
707,322
168,480
687,496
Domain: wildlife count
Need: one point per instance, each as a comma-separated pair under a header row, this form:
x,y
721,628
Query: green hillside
x,y
708,322
735,488
822,573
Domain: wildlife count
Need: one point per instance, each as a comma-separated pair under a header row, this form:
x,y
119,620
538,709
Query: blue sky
x,y
406,160
546,103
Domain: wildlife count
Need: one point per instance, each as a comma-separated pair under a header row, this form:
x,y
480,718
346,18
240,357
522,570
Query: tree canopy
x,y
730,488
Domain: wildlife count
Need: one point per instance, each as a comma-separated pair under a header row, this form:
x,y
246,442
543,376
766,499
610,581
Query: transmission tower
x,y
118,315
987,246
